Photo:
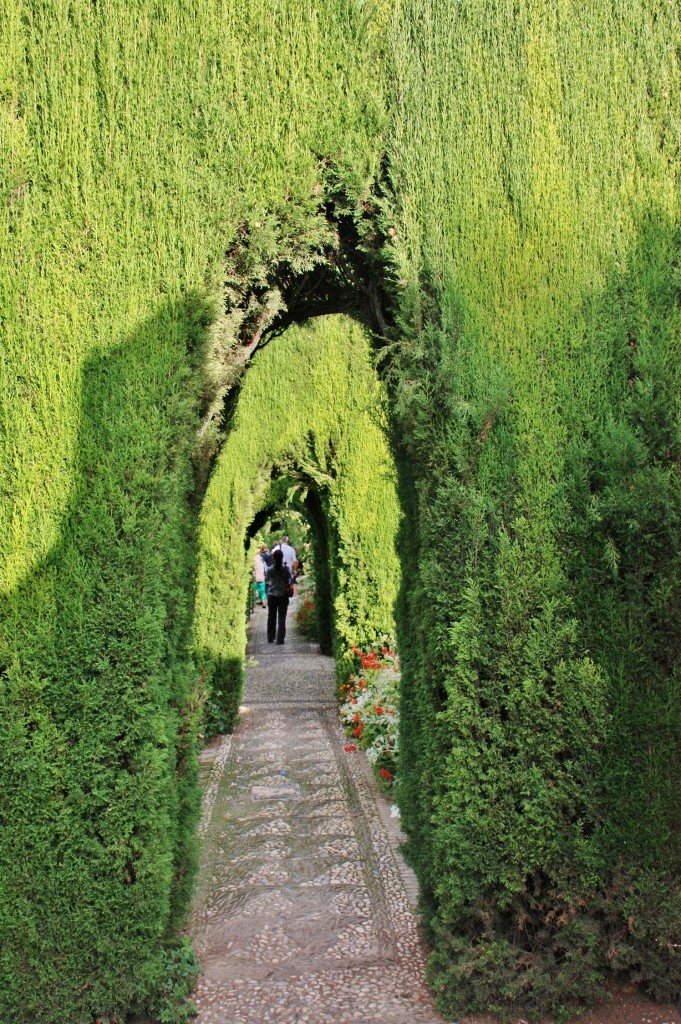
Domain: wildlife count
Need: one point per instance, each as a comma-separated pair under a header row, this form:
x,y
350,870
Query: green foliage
x,y
159,163
488,975
331,444
98,779
135,140
171,1004
536,409
321,570
223,681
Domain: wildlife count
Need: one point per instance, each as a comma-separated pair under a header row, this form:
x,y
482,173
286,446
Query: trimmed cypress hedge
x,y
536,406
311,413
534,383
136,138
98,789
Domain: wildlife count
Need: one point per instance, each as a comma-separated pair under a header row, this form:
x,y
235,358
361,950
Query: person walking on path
x,y
259,577
290,558
279,586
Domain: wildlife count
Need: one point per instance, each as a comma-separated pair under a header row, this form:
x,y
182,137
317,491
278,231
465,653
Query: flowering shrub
x,y
369,709
306,615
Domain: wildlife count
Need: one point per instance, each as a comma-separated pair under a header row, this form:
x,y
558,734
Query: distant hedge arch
x,y
311,407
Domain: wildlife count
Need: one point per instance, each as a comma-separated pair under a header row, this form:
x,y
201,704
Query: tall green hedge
x,y
97,747
311,412
533,150
536,399
135,139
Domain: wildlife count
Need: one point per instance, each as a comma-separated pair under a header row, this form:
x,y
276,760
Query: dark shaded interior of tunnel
x,y
349,282
347,272
344,248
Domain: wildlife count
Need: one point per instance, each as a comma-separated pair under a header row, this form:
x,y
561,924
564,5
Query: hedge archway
x,y
311,406
525,231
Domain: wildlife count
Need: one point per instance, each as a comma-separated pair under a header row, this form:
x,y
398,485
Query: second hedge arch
x,y
311,410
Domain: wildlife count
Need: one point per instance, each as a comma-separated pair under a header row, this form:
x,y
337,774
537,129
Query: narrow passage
x,y
302,913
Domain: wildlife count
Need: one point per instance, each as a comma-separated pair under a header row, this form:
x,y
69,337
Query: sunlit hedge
x,y
536,395
135,138
533,375
311,415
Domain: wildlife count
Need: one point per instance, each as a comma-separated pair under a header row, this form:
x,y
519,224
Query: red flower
x,y
379,711
385,774
350,748
358,730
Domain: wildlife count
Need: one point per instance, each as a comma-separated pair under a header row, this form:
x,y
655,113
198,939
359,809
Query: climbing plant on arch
x,y
311,409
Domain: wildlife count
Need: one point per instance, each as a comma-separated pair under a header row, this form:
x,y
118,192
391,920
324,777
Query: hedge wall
x,y
534,378
312,414
536,399
135,139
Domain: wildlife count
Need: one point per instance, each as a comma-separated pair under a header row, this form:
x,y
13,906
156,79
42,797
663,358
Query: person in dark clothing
x,y
278,581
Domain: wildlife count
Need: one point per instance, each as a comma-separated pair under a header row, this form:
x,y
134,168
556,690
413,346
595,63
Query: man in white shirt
x,y
290,556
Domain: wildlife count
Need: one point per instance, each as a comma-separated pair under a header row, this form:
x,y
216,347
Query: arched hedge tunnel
x,y
166,212
309,502
310,411
333,261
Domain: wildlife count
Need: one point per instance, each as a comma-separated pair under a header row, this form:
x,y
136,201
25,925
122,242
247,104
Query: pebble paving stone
x,y
304,910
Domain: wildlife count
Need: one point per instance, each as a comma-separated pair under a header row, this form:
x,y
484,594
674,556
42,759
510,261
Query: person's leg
x,y
281,624
260,587
271,618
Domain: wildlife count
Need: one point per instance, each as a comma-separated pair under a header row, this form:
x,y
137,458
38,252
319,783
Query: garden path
x,y
304,909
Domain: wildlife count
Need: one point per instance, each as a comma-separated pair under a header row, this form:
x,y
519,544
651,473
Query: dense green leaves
x,y
533,151
536,393
135,139
311,414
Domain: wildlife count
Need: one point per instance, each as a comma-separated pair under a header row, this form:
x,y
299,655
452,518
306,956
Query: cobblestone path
x,y
303,912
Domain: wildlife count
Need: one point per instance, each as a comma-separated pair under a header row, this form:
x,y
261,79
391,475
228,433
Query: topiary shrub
x,y
330,449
